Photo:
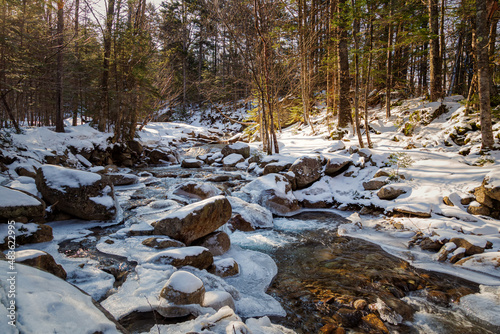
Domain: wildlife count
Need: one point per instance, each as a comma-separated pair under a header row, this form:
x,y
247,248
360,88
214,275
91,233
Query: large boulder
x,y
47,304
196,190
194,256
307,170
238,148
255,215
491,184
16,203
41,260
195,220
488,195
29,234
274,192
82,194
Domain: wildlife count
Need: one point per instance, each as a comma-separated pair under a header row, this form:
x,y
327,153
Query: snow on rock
x,y
307,170
195,220
41,260
183,288
318,195
82,194
256,215
196,190
232,160
26,184
218,299
274,192
15,204
195,256
46,304
236,148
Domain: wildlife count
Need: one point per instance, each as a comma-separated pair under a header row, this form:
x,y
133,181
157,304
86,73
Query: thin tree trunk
x,y
483,66
59,71
389,63
367,85
355,32
344,117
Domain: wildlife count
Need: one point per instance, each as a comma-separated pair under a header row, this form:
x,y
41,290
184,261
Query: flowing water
x,y
320,275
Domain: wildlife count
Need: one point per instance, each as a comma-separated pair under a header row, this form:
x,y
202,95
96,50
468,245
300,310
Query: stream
x,y
320,275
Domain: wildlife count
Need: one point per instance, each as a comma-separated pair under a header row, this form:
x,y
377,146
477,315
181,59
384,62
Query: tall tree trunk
x,y
389,63
355,32
436,81
491,52
483,66
59,71
367,84
104,112
442,47
344,117
77,96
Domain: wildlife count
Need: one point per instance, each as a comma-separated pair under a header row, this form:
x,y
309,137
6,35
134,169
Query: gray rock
x,y
239,148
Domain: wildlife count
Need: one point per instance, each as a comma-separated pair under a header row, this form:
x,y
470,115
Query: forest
x,y
118,64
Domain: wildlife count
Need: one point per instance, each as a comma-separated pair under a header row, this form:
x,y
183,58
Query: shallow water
x,y
319,272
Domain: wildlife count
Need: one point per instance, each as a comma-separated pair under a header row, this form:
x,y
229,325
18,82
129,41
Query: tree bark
x,y
483,66
389,63
436,81
355,32
59,71
344,118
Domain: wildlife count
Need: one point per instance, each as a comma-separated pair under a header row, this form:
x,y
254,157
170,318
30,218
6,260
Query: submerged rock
x,y
195,220
82,194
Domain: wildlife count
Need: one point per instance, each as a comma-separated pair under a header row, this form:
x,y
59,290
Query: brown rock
x,y
217,243
375,184
25,171
470,249
447,201
120,179
17,203
382,172
225,267
411,212
360,304
336,166
430,245
482,197
348,318
40,260
195,220
307,170
374,324
195,256
490,190
82,194
237,222
183,288
238,148
438,297
196,190
389,193
480,210
157,156
275,167
191,163
162,243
